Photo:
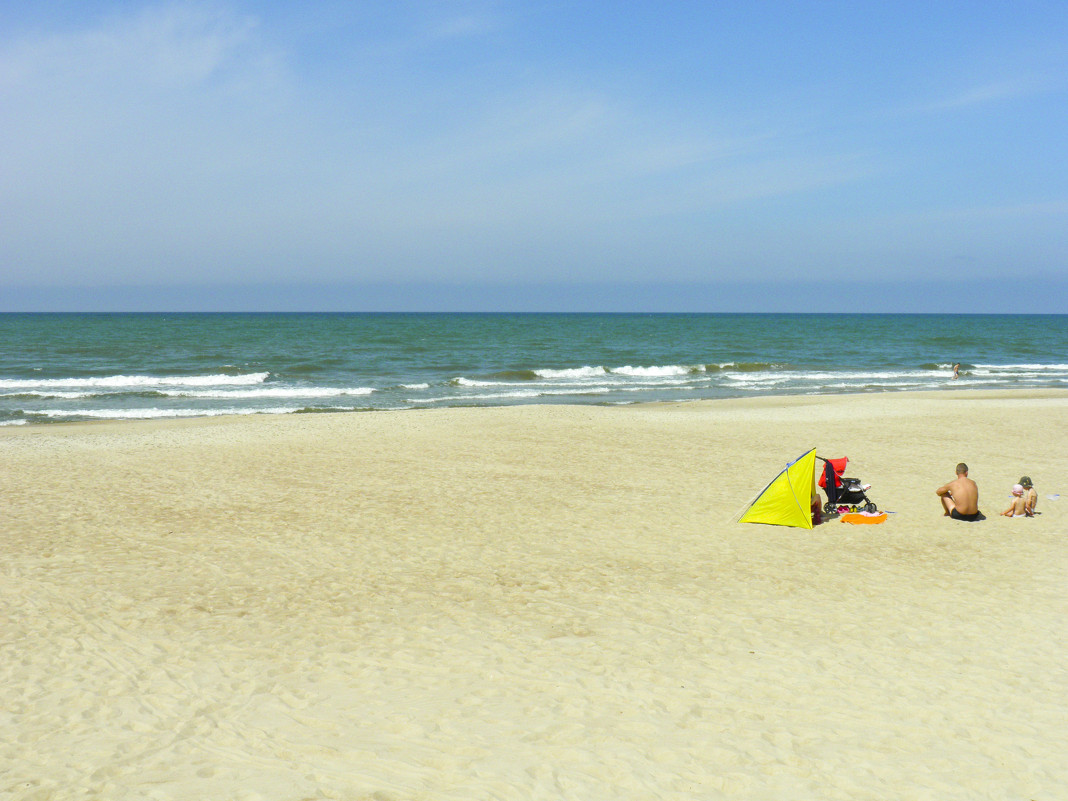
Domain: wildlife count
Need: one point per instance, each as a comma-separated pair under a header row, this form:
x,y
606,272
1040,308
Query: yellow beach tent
x,y
787,500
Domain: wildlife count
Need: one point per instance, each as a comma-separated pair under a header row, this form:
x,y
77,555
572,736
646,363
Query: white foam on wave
x,y
486,396
758,384
1015,374
271,392
59,394
138,381
1026,367
12,422
156,413
517,394
652,371
572,372
655,371
652,381
826,375
665,382
415,386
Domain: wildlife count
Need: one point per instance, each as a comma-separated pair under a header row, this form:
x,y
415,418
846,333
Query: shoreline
x,y
1037,393
533,601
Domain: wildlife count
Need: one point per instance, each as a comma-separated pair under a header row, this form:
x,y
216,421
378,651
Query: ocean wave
x,y
599,372
829,375
57,394
943,366
269,392
517,394
516,375
219,380
104,398
744,367
743,382
579,376
1018,372
660,375
666,370
572,372
217,394
1026,367
617,382
329,409
157,413
1006,370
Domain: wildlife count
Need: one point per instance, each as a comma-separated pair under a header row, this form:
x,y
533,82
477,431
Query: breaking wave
x,y
140,381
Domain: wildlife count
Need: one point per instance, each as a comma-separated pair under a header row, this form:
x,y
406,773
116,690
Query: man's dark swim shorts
x,y
967,518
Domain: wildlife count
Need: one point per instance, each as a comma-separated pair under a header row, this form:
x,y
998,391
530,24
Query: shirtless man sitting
x,y
960,497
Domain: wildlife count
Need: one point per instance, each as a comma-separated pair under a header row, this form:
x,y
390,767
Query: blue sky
x,y
638,156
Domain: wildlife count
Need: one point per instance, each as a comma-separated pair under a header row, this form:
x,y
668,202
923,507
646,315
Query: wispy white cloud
x,y
464,25
172,45
1015,211
989,93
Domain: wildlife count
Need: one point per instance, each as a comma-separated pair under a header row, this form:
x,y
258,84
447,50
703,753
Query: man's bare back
x,y
960,497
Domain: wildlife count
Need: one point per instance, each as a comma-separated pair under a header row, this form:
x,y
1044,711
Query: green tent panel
x,y
787,500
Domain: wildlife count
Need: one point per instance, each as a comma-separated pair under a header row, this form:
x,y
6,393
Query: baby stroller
x,y
843,492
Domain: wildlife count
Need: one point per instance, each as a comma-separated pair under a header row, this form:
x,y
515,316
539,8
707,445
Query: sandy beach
x,y
533,602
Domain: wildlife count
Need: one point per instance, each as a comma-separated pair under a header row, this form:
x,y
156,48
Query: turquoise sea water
x,y
63,367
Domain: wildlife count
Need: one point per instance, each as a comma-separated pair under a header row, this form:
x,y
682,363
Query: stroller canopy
x,y
837,469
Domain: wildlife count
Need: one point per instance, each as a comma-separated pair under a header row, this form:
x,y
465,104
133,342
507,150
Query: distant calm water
x,y
63,367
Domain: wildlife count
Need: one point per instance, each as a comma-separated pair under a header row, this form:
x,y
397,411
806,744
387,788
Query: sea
x,y
57,368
